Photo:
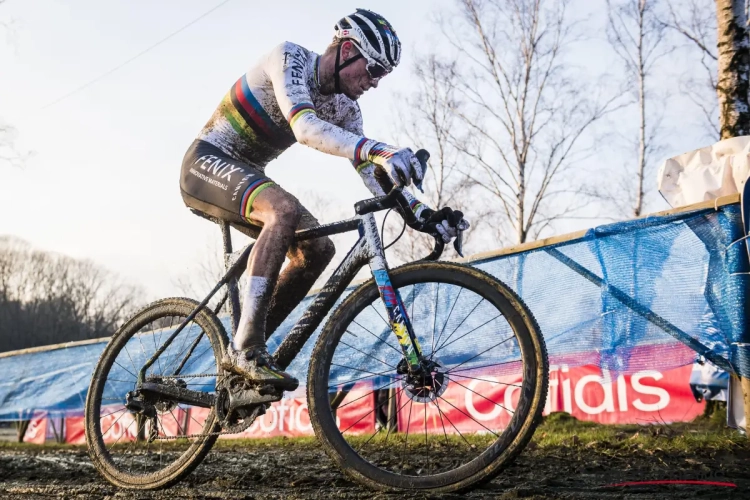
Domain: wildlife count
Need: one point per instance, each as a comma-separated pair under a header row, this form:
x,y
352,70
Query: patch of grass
x,y
563,430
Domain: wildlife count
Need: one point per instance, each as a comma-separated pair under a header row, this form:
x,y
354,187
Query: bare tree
x,y
734,68
526,112
48,299
428,120
638,38
717,30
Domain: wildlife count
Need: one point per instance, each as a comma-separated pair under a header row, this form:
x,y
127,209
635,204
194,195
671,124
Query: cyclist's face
x,y
355,79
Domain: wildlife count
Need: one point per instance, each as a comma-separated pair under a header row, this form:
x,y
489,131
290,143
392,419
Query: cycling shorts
x,y
218,185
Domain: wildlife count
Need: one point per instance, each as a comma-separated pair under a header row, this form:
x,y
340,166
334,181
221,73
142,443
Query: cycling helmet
x,y
374,37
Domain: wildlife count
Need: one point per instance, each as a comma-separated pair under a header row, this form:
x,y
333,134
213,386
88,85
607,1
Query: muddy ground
x,y
573,469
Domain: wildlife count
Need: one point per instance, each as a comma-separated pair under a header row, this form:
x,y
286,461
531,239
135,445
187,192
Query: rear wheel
x,y
459,425
136,451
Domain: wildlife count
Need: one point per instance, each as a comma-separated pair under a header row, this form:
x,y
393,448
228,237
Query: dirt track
x,y
574,470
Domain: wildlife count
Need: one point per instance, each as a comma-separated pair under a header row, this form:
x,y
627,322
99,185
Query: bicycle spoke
x,y
490,381
474,357
381,317
368,355
376,431
368,394
450,313
482,396
452,424
131,359
462,322
133,374
380,339
434,320
113,423
464,413
383,374
406,441
483,366
158,361
442,424
470,331
121,435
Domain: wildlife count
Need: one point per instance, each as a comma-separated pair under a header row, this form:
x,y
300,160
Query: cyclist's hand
x,y
401,165
446,221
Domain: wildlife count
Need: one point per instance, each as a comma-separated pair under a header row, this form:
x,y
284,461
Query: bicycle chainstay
x,y
231,424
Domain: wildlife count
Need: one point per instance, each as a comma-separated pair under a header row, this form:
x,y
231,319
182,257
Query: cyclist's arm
x,y
287,67
374,177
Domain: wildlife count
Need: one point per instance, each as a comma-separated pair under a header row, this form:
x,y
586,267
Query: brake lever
x,y
458,243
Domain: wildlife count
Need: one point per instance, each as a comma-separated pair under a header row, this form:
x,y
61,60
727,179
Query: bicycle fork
x,y
398,319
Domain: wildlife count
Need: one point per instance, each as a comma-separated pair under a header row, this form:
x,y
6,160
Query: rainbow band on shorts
x,y
252,192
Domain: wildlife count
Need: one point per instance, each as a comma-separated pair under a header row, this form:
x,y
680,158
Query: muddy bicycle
x,y
397,342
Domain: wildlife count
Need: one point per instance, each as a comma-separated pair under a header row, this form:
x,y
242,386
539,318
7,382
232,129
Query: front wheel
x,y
445,431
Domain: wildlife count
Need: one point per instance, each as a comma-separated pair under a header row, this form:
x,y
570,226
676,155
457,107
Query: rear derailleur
x,y
239,402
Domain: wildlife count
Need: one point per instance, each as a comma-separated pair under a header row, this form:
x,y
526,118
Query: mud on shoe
x,y
257,366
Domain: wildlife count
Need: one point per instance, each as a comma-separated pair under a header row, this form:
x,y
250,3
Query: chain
x,y
177,377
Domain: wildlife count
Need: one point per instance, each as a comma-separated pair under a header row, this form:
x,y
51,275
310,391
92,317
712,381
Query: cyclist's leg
x,y
279,214
307,261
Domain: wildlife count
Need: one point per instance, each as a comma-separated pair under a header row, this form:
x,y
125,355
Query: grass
x,y
562,430
558,430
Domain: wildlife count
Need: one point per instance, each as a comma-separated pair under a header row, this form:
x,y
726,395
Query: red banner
x,y
36,432
119,425
482,403
289,417
487,403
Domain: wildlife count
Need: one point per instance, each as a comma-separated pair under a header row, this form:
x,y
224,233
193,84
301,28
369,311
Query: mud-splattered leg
x,y
279,214
307,261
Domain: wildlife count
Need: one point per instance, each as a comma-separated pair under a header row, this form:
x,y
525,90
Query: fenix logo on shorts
x,y
218,168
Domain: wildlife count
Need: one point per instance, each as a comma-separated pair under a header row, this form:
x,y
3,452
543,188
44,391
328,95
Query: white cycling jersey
x,y
277,103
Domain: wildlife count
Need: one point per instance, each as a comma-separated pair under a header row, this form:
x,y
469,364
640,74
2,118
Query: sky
x,y
102,180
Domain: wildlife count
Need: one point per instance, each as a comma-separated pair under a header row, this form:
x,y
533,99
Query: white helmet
x,y
373,36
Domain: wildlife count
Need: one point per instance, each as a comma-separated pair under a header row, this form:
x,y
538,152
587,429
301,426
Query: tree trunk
x,y
642,105
734,66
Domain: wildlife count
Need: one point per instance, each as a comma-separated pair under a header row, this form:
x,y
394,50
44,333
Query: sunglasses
x,y
374,68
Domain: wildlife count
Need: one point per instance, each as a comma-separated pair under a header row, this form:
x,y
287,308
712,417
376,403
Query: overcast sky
x,y
103,179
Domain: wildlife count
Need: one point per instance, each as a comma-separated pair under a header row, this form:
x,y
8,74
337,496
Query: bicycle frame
x,y
367,249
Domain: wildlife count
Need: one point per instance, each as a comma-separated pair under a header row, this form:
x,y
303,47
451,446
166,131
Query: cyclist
x,y
294,95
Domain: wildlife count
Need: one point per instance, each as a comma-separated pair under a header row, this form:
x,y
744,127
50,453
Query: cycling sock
x,y
251,329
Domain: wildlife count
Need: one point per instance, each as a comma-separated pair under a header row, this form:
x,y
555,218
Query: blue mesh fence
x,y
627,296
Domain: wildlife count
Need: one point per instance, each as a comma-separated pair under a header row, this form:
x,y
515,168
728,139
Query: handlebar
x,y
396,199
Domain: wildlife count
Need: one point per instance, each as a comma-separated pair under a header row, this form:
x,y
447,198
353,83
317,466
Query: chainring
x,y
239,419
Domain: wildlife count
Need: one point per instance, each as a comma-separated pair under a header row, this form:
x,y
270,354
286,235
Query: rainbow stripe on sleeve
x,y
382,150
252,192
415,205
299,111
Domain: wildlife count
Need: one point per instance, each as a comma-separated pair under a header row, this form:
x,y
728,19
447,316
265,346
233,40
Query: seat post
x,y
232,284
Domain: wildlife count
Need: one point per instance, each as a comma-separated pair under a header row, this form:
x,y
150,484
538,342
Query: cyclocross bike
x,y
398,346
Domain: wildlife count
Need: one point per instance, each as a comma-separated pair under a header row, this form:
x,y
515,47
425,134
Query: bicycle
x,y
351,361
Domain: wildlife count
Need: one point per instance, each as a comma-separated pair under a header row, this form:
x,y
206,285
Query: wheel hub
x,y
427,384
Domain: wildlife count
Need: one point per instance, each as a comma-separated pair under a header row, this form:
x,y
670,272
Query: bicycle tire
x,y
194,454
499,455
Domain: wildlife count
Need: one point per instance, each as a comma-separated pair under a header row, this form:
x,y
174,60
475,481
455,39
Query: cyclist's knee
x,y
286,213
318,252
